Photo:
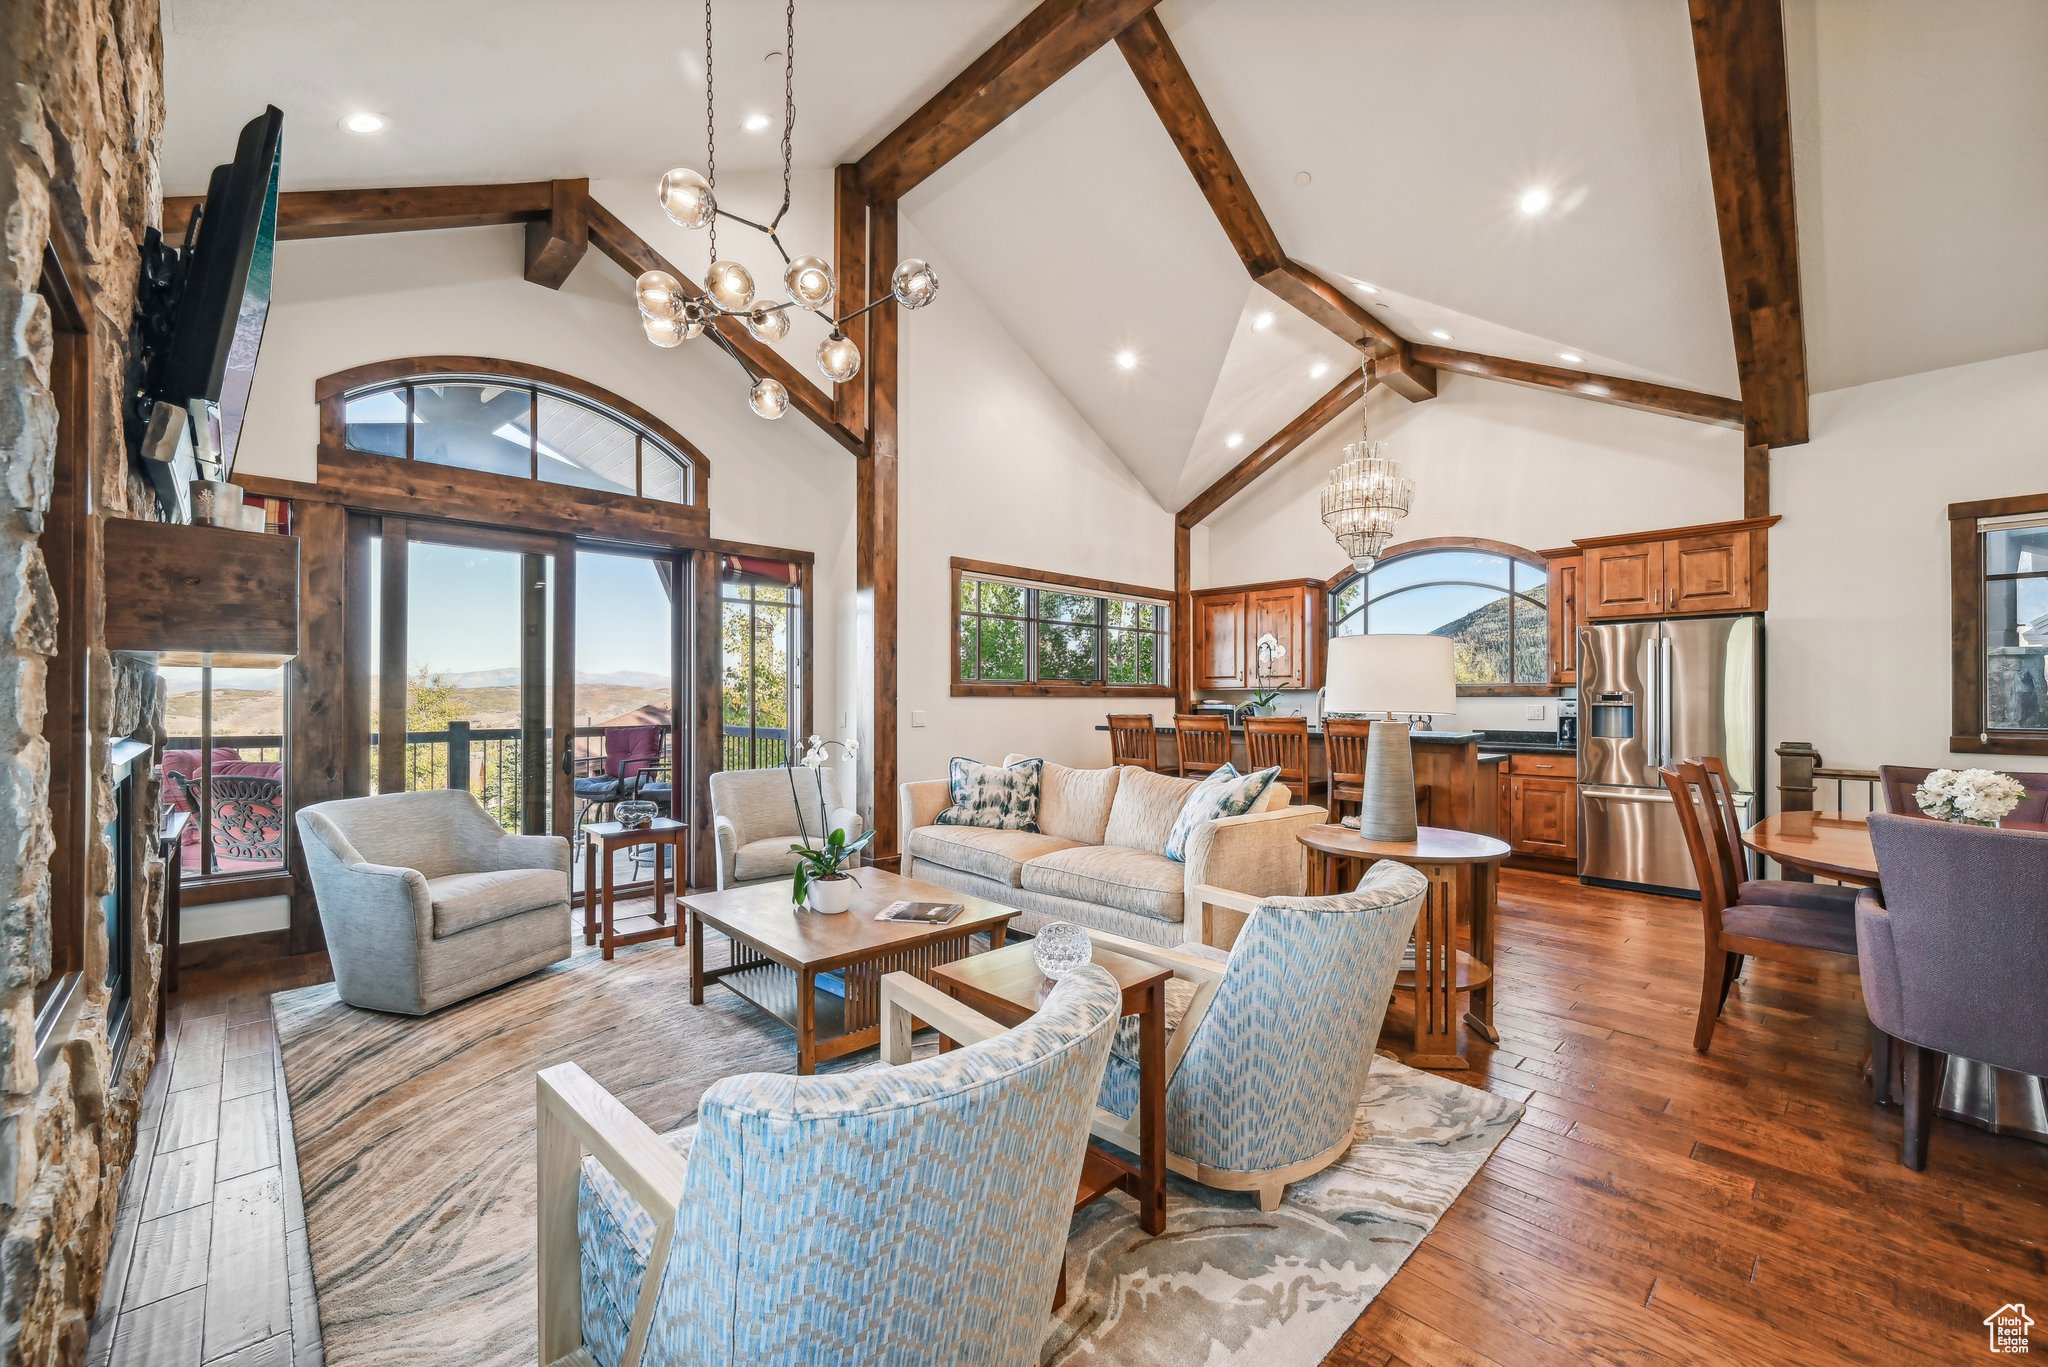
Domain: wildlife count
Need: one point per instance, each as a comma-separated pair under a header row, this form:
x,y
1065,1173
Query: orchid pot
x,y
830,894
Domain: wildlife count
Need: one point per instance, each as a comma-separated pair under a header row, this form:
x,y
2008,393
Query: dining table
x,y
1837,846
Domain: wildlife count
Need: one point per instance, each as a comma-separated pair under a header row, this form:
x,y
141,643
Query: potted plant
x,y
823,881
1969,797
1263,702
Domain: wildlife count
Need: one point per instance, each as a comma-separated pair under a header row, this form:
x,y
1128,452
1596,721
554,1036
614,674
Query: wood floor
x,y
1747,1206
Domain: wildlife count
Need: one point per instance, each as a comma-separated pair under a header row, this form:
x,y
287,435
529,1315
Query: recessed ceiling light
x,y
1302,178
364,123
1440,334
1571,358
755,123
1318,370
1234,440
1127,359
1533,201
1262,322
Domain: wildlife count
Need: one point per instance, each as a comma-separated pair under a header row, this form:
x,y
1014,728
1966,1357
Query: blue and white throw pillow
x,y
1223,793
994,797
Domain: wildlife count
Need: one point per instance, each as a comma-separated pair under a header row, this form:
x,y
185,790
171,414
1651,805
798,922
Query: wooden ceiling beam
x,y
1273,450
556,243
632,254
303,214
1651,398
1045,45
1739,47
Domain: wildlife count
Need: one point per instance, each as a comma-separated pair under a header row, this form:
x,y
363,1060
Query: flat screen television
x,y
225,297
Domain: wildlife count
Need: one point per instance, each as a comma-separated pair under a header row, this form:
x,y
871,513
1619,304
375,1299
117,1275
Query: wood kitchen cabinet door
x,y
1283,615
1544,816
1565,573
1624,581
1708,573
1220,646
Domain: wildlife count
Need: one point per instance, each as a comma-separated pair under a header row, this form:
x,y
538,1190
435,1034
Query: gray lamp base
x,y
1388,811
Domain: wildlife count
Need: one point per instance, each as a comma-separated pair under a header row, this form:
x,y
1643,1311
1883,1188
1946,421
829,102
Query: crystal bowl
x,y
1060,948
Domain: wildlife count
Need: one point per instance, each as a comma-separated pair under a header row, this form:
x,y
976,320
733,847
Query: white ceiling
x,y
1921,151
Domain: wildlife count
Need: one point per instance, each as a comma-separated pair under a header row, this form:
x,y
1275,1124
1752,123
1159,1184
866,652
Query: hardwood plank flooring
x,y
1653,1205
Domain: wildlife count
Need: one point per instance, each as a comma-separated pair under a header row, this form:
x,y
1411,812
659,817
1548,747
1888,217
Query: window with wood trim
x,y
525,429
223,761
1999,594
760,607
1020,631
1490,599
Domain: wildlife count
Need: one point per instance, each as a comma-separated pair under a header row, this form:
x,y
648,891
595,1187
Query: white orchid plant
x,y
830,857
1970,797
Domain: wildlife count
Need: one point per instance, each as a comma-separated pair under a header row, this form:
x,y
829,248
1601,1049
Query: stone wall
x,y
81,109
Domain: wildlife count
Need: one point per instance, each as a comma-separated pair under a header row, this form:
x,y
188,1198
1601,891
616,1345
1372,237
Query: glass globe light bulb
x,y
663,332
730,284
915,283
686,197
839,358
658,292
810,283
769,398
768,323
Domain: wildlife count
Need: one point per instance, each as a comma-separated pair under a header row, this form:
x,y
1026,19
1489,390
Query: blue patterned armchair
x,y
910,1214
1270,1043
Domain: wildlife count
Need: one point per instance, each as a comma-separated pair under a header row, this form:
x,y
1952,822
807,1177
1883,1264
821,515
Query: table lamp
x,y
1389,674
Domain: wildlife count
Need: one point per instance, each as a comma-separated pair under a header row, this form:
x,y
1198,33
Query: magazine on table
x,y
921,913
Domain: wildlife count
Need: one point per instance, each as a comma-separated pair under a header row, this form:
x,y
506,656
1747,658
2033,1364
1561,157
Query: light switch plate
x,y
917,716
1535,711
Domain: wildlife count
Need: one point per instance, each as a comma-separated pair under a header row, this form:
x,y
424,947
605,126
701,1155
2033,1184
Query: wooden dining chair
x,y
1134,740
1282,743
1735,928
1344,741
1737,884
1202,742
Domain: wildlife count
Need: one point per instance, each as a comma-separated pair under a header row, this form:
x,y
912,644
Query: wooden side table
x,y
1007,986
603,839
1463,873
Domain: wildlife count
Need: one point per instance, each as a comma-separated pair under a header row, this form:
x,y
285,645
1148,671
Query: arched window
x,y
506,418
1488,597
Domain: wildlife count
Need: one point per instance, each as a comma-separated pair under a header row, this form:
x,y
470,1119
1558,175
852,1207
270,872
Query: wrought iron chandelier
x,y
671,315
1367,494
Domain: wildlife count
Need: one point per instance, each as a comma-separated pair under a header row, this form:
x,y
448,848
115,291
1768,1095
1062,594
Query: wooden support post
x,y
1183,614
705,748
875,556
316,694
1756,480
556,243
850,261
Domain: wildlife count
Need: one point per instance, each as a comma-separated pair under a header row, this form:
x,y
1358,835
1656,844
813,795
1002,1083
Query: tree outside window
x,y
1493,606
1048,638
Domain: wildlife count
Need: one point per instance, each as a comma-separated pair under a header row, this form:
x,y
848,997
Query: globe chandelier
x,y
1367,494
670,314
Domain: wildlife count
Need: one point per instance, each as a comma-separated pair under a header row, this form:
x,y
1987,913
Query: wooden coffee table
x,y
1008,987
779,952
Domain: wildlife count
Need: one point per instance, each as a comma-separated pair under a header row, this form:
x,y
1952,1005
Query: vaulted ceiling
x,y
1388,142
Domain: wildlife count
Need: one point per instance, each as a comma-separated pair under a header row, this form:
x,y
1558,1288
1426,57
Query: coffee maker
x,y
1568,723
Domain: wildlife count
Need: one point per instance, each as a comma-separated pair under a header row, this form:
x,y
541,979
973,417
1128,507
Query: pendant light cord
x,y
788,104
1365,398
710,128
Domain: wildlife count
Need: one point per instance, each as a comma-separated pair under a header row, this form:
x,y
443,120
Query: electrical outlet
x,y
917,716
1535,711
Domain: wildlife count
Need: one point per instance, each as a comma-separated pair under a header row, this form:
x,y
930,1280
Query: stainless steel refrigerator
x,y
1651,693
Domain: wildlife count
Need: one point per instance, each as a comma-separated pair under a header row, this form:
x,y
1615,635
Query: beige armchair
x,y
754,816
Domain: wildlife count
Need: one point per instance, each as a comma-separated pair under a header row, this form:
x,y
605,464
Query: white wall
x,y
997,465
1858,637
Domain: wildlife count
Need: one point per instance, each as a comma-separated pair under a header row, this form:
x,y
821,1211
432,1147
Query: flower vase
x,y
831,895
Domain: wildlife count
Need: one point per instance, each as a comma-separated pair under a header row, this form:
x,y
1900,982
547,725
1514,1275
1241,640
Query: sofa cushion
x,y
992,797
1074,803
770,858
464,901
1138,881
1142,815
1225,792
975,849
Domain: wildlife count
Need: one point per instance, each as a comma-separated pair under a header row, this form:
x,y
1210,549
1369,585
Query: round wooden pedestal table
x,y
1463,873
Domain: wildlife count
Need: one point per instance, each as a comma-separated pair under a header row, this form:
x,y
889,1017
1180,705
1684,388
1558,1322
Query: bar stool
x,y
1344,741
1134,740
1203,742
1280,742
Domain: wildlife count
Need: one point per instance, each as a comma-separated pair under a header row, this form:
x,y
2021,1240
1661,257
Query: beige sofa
x,y
1098,860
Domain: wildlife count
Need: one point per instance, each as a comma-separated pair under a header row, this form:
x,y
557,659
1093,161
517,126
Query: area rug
x,y
415,1142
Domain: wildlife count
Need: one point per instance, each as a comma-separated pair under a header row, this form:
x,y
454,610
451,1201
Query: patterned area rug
x,y
416,1156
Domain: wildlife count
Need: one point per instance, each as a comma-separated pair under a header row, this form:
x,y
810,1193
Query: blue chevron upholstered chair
x,y
1270,1043
890,1215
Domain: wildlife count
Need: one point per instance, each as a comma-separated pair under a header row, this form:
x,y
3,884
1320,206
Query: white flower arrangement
x,y
1971,797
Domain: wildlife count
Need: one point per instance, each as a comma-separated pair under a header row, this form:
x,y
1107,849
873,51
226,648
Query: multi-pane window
x,y
1015,632
1494,608
759,623
2002,602
224,763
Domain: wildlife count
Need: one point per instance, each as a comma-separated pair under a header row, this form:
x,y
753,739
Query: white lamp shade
x,y
1398,674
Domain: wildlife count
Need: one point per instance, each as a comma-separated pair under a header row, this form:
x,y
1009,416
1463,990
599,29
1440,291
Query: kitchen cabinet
x,y
1566,567
1543,805
1230,623
1686,571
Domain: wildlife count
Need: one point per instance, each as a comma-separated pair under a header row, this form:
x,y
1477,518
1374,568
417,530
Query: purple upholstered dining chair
x,y
1954,953
1899,781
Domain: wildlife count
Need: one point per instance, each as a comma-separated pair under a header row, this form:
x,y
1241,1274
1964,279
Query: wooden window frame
x,y
797,665
1471,544
206,885
1033,582
1969,735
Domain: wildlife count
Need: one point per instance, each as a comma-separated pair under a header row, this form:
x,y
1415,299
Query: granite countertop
x,y
1493,744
